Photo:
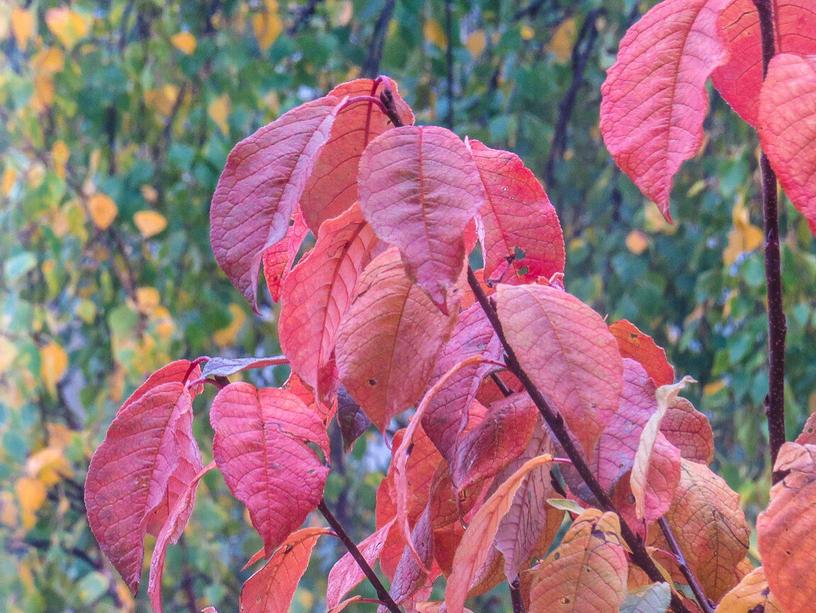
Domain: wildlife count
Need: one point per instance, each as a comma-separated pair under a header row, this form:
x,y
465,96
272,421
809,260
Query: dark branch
x,y
382,593
693,582
777,326
515,597
559,430
371,67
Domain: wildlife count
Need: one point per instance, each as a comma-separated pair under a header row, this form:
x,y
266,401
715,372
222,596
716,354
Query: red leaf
x,y
739,81
654,97
170,533
411,577
690,431
568,352
146,462
495,442
317,294
278,259
260,446
307,396
260,186
472,552
656,469
618,443
332,187
346,574
787,531
786,126
350,417
634,344
808,435
419,188
388,342
447,413
521,231
270,590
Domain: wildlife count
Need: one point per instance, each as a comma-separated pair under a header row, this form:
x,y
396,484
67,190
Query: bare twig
x,y
515,597
559,430
777,326
693,582
584,45
382,593
371,67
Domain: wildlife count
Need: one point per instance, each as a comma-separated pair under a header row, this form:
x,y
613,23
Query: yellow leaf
x,y
527,32
150,223
743,237
48,61
162,99
49,465
67,25
8,510
60,155
218,110
637,242
563,38
184,42
476,43
147,299
43,92
8,351
149,193
267,25
22,25
53,364
7,183
31,493
226,336
434,33
103,210
709,389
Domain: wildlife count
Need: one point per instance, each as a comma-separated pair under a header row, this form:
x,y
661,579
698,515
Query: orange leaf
x,y
587,572
634,344
472,552
750,594
786,530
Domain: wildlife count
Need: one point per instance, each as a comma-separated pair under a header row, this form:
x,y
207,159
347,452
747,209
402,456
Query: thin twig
x,y
559,429
382,593
584,45
777,326
371,67
693,582
515,597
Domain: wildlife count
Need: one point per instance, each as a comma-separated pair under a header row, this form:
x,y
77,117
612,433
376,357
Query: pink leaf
x,y
278,259
419,188
260,446
522,238
170,533
447,413
787,127
496,441
654,97
739,81
146,462
656,469
260,186
332,188
411,577
346,574
568,352
530,525
618,443
317,294
388,342
270,590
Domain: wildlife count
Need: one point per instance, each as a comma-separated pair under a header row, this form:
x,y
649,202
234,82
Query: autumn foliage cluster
x,y
547,447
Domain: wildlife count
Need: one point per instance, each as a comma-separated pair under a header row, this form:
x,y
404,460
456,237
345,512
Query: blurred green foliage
x,y
117,119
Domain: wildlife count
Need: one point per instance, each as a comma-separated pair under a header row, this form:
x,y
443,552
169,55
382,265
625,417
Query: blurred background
x,y
117,117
